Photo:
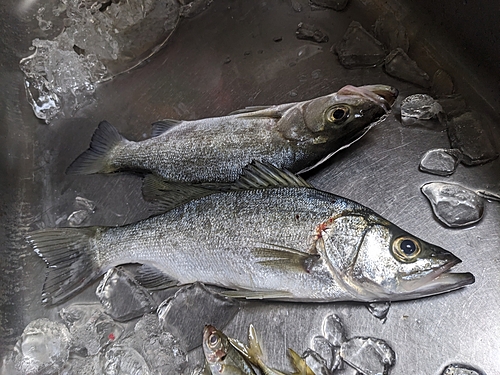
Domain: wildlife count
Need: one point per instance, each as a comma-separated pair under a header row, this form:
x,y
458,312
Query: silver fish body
x,y
295,136
220,355
283,240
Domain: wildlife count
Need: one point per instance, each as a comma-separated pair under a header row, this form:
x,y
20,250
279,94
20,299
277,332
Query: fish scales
x,y
222,149
296,136
280,239
211,240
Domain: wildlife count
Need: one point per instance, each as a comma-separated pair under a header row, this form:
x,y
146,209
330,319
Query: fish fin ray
x,y
285,258
160,127
258,111
97,157
152,278
261,175
167,195
257,294
299,364
68,254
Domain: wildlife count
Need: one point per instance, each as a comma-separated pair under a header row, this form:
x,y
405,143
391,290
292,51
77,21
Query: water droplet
x,y
379,310
453,204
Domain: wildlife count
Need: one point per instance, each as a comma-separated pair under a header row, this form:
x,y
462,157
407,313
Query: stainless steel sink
x,y
242,53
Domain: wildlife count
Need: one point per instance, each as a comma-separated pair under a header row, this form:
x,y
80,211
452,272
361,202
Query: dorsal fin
x,y
259,111
167,194
263,175
160,127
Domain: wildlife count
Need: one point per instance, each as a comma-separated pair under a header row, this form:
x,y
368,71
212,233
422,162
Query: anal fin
x,y
152,278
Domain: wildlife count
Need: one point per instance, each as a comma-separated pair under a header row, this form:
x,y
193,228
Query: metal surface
x,y
238,54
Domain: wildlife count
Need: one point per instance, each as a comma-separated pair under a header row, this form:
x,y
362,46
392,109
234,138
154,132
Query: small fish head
x,y
392,265
345,115
215,347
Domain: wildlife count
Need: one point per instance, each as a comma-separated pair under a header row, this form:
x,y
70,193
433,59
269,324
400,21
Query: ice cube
x,y
310,32
442,83
315,362
472,134
327,351
43,348
391,32
77,217
379,310
440,161
453,204
122,297
333,330
123,360
81,366
358,48
205,306
399,65
421,109
91,329
337,5
460,369
160,349
368,355
453,105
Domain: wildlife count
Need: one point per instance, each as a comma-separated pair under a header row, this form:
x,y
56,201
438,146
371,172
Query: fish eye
x,y
405,249
338,114
213,340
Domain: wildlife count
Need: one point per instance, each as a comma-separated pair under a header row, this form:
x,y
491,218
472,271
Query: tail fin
x,y
97,158
299,364
69,256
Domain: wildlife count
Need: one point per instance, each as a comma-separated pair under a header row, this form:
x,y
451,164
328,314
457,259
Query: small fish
x,y
295,136
253,353
221,356
270,236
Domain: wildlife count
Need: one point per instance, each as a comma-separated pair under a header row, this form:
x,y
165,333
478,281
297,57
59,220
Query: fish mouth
x,y
441,280
383,95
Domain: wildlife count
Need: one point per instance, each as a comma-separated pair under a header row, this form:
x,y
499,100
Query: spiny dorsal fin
x,y
167,195
262,175
259,111
160,127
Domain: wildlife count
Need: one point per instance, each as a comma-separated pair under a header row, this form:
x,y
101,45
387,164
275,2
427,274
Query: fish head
x,y
215,346
382,262
348,113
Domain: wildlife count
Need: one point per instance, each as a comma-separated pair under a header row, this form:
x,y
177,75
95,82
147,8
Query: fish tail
x,y
70,258
97,159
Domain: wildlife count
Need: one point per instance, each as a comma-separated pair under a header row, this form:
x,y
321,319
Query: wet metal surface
x,y
233,55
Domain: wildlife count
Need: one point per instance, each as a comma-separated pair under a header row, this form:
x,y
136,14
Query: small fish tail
x,y
70,260
254,349
97,158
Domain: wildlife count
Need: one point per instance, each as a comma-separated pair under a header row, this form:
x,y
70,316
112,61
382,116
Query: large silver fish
x,y
272,236
295,136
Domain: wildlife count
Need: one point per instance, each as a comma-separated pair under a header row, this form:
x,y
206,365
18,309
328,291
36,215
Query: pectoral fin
x,y
281,257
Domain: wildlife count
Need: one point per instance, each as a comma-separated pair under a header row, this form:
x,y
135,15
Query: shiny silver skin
x,y
291,243
220,355
296,136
